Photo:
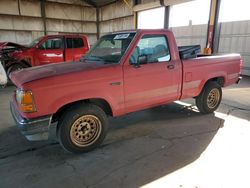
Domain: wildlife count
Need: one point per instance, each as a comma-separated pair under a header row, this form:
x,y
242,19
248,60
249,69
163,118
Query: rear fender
x,y
218,77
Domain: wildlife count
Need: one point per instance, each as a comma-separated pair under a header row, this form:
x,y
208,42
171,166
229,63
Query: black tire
x,y
209,99
73,130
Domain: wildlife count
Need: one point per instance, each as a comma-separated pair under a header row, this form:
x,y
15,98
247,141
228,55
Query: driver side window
x,y
50,44
151,49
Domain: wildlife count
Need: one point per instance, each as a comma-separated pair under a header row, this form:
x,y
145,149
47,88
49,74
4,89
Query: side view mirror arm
x,y
136,65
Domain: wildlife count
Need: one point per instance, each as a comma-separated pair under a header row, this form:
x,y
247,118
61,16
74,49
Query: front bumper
x,y
33,129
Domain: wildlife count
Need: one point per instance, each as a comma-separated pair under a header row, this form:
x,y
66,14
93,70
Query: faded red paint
x,y
150,85
35,56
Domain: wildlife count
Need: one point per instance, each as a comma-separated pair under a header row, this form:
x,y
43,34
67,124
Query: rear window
x,y
74,42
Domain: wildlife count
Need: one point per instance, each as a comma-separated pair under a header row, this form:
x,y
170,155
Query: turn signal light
x,y
25,101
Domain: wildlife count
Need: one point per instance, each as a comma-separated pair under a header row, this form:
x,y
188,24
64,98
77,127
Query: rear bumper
x,y
33,129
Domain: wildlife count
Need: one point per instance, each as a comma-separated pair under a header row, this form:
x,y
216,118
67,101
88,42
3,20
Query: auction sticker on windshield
x,y
122,36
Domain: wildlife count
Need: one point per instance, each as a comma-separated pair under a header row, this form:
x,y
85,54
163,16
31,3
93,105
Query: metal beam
x,y
90,3
136,2
97,23
157,4
147,6
175,2
111,19
213,28
166,17
43,14
217,29
19,9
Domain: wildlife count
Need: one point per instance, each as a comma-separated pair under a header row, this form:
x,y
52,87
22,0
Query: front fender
x,y
116,105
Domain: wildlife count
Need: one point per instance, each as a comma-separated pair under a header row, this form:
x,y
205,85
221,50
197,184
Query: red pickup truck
x,y
44,50
124,72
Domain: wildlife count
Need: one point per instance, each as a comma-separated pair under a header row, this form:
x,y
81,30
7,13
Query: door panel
x,y
50,51
154,82
75,49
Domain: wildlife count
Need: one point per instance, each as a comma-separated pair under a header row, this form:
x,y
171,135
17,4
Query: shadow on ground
x,y
139,148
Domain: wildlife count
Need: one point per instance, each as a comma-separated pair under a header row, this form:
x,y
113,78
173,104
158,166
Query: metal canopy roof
x,y
99,3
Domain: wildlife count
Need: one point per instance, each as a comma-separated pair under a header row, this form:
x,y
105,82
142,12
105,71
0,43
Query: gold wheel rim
x,y
85,130
213,98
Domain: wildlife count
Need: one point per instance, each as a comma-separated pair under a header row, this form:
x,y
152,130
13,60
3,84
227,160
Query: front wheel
x,y
82,128
209,99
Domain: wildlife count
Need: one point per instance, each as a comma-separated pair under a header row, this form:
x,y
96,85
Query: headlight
x,y
25,100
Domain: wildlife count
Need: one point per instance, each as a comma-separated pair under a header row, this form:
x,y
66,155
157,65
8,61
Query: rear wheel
x,y
210,97
82,128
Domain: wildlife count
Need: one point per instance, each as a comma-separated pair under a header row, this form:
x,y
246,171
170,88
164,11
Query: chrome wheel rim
x,y
213,98
85,130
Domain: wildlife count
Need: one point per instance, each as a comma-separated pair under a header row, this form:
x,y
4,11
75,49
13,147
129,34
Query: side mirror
x,y
3,76
142,59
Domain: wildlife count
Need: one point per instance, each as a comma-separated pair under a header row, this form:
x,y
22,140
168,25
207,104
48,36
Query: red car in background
x,y
42,51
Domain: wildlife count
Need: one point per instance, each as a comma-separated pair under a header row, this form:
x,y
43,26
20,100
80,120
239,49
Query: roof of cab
x,y
139,30
66,35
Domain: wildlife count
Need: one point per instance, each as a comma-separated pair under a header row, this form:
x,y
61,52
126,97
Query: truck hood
x,y
11,44
39,72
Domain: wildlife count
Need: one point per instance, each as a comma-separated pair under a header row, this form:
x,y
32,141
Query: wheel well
x,y
103,104
219,80
25,63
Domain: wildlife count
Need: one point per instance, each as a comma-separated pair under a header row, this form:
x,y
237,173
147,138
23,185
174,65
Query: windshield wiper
x,y
93,58
109,62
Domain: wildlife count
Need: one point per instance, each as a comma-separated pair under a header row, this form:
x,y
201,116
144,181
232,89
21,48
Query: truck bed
x,y
225,66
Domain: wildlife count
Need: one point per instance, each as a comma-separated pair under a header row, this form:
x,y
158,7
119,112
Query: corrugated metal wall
x,y
21,21
115,17
235,38
191,35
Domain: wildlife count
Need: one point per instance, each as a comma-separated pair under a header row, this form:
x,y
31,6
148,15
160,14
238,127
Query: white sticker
x,y
122,36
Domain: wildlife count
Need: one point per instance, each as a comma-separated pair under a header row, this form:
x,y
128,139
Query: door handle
x,y
115,83
170,66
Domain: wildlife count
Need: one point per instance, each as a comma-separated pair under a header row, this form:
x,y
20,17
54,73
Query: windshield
x,y
34,42
110,48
